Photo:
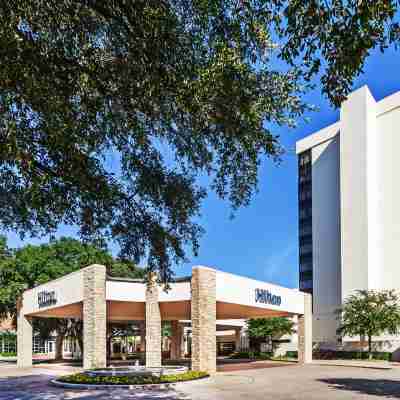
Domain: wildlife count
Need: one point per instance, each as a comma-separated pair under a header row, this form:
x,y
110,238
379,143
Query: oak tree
x,y
112,110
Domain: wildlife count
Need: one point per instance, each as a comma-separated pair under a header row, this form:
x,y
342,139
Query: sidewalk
x,y
356,363
8,359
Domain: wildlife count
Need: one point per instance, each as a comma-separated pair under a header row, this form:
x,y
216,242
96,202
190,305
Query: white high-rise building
x,y
349,208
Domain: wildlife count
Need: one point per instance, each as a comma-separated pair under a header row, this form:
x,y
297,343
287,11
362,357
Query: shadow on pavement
x,y
376,387
38,387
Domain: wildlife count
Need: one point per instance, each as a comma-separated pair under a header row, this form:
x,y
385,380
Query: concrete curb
x,y
81,386
149,386
376,367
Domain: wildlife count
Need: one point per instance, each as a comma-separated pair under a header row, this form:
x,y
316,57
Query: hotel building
x,y
349,214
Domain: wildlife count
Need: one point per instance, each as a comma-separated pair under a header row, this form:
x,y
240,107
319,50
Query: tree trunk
x,y
271,345
255,344
80,342
59,346
369,347
108,350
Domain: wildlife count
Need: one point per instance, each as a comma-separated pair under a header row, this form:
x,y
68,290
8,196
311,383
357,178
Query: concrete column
x,y
305,332
153,324
176,340
24,338
94,317
204,315
238,337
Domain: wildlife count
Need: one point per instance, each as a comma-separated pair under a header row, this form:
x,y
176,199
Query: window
x,y
305,249
8,345
305,267
38,345
306,275
306,285
305,220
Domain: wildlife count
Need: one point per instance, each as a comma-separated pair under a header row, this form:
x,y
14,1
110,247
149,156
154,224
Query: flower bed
x,y
82,378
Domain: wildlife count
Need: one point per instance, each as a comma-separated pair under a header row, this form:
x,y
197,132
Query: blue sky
x,y
261,241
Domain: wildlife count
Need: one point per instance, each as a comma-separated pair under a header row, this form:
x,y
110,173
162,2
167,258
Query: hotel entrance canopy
x,y
203,298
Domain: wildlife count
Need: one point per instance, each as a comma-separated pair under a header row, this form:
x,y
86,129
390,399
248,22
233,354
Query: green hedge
x,y
82,378
253,355
12,354
345,355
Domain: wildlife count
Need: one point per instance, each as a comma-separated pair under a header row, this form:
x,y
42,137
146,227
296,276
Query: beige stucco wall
x,y
237,289
68,289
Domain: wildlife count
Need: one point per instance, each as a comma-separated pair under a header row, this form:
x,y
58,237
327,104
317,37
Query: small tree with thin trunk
x,y
368,313
261,330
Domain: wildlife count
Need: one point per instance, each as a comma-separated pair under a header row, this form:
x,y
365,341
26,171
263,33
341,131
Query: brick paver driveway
x,y
284,383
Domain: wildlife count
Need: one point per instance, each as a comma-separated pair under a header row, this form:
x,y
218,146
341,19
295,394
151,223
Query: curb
x,y
382,368
149,386
153,386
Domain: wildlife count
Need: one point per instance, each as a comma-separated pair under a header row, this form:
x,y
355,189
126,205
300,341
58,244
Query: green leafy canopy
x,y
368,313
111,110
29,266
269,328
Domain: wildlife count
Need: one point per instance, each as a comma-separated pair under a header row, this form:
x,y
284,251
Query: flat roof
x,y
121,279
385,105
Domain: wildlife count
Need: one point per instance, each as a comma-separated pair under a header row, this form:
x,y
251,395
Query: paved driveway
x,y
283,383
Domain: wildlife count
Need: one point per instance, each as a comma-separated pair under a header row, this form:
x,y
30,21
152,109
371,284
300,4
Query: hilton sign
x,y
46,299
266,297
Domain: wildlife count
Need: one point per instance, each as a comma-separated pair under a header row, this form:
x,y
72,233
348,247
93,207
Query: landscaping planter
x,y
86,381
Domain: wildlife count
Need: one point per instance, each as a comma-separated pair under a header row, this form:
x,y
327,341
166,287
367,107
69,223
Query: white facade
x,y
355,205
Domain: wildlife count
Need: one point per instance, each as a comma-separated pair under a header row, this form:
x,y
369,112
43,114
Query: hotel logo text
x,y
46,299
266,297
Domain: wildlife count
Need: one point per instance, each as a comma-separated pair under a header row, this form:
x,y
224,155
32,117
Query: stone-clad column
x,y
94,317
24,338
304,332
203,315
153,324
176,340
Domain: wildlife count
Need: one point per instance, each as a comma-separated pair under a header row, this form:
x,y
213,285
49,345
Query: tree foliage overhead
x,y
112,109
31,266
335,37
368,313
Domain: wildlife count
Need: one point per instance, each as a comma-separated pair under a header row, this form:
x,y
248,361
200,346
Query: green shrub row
x,y
82,378
345,355
253,355
12,354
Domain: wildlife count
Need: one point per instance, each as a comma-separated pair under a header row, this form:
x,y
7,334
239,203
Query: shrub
x,y
351,355
291,354
253,355
11,354
82,378
345,355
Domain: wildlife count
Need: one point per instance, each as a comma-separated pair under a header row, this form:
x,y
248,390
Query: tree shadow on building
x,y
374,387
